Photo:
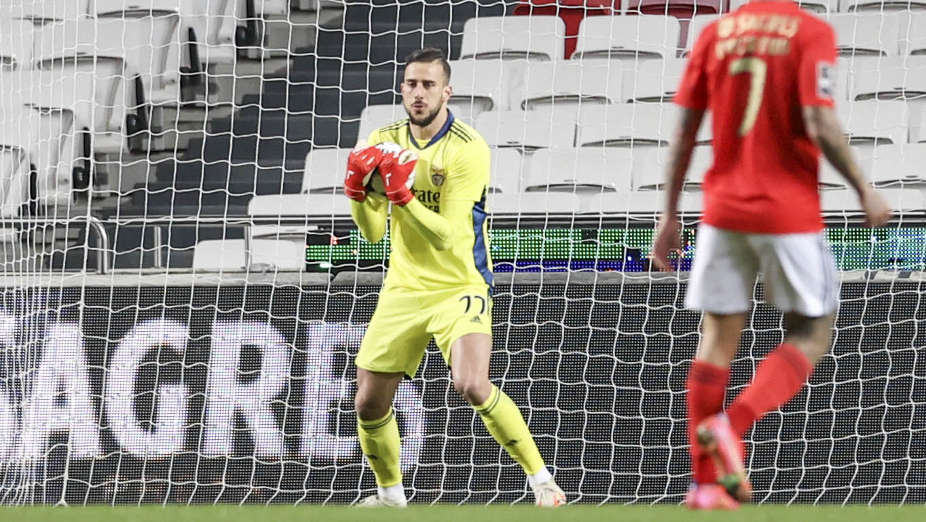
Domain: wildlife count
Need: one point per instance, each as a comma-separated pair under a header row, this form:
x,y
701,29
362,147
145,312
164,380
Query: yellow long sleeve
x,y
370,216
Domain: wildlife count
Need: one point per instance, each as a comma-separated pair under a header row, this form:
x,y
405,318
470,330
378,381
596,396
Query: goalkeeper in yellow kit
x,y
435,171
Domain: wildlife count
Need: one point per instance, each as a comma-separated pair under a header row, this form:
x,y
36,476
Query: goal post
x,y
209,359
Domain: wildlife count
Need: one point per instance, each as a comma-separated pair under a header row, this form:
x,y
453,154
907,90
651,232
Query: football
x,y
376,183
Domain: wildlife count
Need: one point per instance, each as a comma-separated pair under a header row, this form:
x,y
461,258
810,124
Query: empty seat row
x,y
592,170
871,122
658,36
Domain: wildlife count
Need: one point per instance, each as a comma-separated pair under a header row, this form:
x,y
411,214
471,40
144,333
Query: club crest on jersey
x,y
437,178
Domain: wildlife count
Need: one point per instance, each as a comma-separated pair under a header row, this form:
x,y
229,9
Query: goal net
x,y
184,290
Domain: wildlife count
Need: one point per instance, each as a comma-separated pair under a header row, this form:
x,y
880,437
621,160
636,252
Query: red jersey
x,y
754,69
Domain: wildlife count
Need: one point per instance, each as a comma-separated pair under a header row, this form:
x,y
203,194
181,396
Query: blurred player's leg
x,y
378,432
783,373
470,367
707,382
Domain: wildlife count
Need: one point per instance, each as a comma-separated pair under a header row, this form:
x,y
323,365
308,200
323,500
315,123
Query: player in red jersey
x,y
765,72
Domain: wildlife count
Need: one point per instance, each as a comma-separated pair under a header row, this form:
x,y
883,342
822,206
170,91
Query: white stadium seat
x,y
896,166
697,24
513,38
15,171
533,203
868,34
43,11
146,33
875,122
580,170
901,200
893,78
233,255
627,37
649,168
375,116
528,130
648,203
913,34
507,171
883,5
479,86
627,125
214,24
16,43
557,84
324,171
314,205
653,80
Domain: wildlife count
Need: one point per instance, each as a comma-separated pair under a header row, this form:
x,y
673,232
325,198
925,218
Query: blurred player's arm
x,y
692,97
683,142
816,89
464,185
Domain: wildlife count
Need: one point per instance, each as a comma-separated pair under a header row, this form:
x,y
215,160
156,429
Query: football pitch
x,y
448,513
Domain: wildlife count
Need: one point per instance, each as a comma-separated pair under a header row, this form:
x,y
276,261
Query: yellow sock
x,y
504,421
379,440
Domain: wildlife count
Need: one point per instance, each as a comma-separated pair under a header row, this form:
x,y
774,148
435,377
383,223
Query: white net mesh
x,y
184,290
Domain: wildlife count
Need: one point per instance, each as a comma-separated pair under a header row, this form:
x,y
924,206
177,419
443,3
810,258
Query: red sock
x,y
707,384
779,378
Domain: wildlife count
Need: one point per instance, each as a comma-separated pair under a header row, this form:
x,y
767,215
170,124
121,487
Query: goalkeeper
x,y
435,171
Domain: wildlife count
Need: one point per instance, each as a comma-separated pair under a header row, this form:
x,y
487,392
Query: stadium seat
x,y
324,171
883,5
695,27
896,166
98,91
15,167
571,11
16,42
232,255
479,86
900,200
528,130
892,78
146,33
627,125
507,171
646,203
528,204
558,84
513,38
311,205
684,9
579,170
867,34
649,168
43,11
214,25
821,7
376,116
875,122
913,34
219,255
653,80
628,37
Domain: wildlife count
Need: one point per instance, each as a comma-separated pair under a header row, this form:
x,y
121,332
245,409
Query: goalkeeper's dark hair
x,y
430,55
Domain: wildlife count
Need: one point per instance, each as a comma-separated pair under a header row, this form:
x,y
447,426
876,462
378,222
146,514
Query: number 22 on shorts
x,y
474,303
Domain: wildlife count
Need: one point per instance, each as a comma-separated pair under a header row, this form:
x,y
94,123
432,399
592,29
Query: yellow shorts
x,y
405,321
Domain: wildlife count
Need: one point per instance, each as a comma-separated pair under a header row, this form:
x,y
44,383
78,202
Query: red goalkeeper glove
x,y
361,163
397,169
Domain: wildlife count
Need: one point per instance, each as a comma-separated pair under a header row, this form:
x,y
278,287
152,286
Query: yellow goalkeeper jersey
x,y
451,179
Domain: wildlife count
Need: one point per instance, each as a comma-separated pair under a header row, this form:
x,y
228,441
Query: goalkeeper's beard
x,y
423,122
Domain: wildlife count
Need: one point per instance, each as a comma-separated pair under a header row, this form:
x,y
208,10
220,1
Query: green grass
x,y
445,513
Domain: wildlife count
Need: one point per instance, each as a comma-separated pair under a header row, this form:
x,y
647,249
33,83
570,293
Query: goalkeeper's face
x,y
425,91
